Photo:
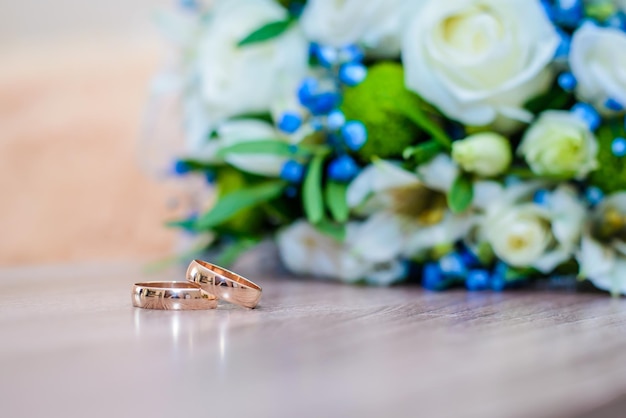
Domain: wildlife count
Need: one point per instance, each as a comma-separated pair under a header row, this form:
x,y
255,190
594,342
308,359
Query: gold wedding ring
x,y
224,284
172,296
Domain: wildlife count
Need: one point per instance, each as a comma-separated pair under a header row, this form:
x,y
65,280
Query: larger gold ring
x,y
224,284
172,296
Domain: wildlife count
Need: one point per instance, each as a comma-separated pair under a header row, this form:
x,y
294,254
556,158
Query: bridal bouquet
x,y
478,143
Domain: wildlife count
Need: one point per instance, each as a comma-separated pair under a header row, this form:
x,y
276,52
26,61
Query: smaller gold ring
x,y
224,284
176,296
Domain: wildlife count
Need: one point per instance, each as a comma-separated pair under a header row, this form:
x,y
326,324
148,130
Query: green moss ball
x,y
375,102
610,176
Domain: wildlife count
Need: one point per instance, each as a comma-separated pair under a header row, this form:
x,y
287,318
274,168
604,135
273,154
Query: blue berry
x,y
291,191
351,53
307,91
613,104
567,81
569,12
452,265
477,280
343,168
210,176
593,195
327,56
289,122
292,171
352,74
335,120
324,103
617,21
354,135
432,279
498,278
541,197
588,114
618,147
562,51
548,8
181,168
469,258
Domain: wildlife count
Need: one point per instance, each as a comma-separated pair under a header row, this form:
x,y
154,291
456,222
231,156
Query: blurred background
x,y
74,78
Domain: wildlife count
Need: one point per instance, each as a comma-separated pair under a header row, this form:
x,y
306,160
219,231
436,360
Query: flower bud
x,y
487,154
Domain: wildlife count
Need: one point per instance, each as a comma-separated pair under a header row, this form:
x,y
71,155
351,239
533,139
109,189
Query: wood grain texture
x,y
73,346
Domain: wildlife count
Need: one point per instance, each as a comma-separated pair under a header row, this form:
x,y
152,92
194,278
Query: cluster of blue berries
x,y
321,97
464,268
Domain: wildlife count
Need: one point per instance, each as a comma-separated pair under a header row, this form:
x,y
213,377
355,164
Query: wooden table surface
x,y
73,346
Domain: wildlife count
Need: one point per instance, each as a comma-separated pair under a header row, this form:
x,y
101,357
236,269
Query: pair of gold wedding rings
x,y
206,284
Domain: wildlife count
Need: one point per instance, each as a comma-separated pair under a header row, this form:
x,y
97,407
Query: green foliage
x,y
333,230
266,32
230,252
554,98
335,194
313,200
424,152
377,102
461,194
237,206
610,176
269,146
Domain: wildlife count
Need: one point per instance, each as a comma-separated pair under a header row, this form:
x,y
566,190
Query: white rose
x,y
239,131
479,61
306,251
525,234
249,79
375,24
598,59
602,255
487,154
560,144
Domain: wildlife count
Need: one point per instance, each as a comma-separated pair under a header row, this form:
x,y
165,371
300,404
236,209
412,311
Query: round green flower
x,y
376,103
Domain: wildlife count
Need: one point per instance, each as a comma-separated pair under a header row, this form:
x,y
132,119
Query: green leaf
x,y
266,32
231,204
231,252
265,146
554,98
418,117
333,230
423,152
195,165
461,194
312,190
335,197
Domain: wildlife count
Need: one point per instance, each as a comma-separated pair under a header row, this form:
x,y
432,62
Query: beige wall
x,y
73,84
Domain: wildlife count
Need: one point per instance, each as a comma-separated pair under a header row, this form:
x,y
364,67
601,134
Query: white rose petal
x,y
598,61
478,61
376,24
439,173
526,234
306,251
237,80
560,144
603,260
